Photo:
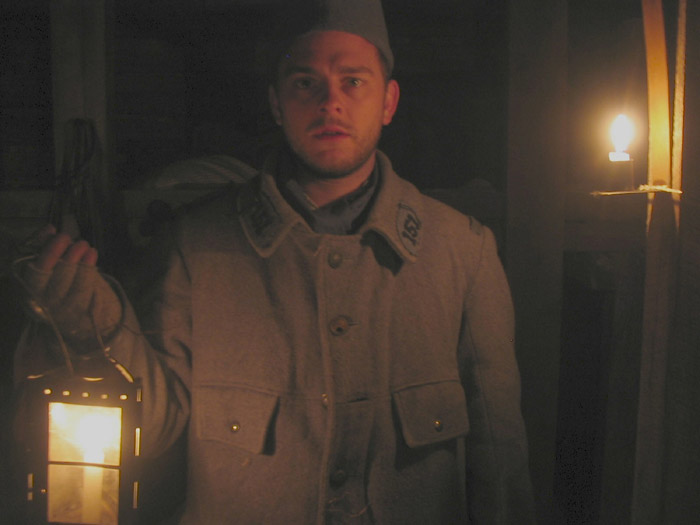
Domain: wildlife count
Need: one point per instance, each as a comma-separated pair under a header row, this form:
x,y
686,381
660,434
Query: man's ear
x,y
391,101
274,104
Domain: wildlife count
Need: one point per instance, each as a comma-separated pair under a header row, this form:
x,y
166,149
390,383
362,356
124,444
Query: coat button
x,y
338,478
235,426
324,399
437,425
335,259
340,325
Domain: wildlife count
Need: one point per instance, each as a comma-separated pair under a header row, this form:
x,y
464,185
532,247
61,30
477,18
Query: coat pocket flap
x,y
432,413
235,416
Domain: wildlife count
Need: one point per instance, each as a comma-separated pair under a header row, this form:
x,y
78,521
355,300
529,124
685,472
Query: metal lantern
x,y
81,441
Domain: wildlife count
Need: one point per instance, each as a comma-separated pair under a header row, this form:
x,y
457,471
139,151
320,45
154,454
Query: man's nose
x,y
330,98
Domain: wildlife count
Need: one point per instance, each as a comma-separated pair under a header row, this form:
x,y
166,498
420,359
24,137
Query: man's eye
x,y
302,83
355,82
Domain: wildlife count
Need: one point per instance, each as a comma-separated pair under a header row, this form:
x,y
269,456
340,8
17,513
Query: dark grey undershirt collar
x,y
343,216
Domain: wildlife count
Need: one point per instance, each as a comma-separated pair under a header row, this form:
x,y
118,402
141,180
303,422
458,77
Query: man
x,y
338,346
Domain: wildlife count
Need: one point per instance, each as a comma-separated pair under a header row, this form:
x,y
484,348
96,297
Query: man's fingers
x,y
90,257
52,251
61,246
76,251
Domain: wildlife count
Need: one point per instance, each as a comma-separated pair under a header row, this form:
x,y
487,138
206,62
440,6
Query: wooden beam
x,y
679,98
659,290
658,98
682,469
660,286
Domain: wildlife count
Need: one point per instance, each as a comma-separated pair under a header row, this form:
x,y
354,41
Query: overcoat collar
x,y
396,212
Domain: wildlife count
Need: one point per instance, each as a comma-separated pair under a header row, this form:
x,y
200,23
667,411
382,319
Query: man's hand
x,y
65,286
59,246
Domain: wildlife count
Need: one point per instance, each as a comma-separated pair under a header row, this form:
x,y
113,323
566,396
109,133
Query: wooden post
x,y
682,470
660,287
679,96
657,86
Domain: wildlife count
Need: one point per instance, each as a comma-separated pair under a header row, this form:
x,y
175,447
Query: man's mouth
x,y
329,130
329,133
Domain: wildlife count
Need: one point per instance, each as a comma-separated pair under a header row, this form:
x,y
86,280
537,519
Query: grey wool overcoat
x,y
365,378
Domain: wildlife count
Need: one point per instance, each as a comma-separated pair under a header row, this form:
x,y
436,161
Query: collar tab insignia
x,y
409,228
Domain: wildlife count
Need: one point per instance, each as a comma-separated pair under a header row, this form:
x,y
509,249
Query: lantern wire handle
x,y
43,312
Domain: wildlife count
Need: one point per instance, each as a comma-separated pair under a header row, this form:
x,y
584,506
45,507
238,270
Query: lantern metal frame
x,y
97,381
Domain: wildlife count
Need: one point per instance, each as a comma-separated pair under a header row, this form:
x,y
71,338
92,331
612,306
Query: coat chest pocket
x,y
235,416
432,412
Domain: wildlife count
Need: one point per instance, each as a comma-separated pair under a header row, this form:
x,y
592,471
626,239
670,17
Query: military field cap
x,y
364,18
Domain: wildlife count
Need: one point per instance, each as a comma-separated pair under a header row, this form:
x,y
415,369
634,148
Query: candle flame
x,y
621,133
90,434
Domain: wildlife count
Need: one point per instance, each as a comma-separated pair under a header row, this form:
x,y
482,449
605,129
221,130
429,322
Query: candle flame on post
x,y
621,133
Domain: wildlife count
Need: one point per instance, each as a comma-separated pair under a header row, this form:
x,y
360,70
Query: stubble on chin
x,y
333,169
329,170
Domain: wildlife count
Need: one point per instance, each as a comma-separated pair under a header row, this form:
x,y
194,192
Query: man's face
x,y
332,100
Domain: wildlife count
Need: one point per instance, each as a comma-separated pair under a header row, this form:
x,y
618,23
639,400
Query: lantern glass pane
x,y
84,433
83,494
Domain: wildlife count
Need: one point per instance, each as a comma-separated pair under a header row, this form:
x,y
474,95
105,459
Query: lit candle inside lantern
x,y
89,434
92,494
621,133
92,444
97,432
